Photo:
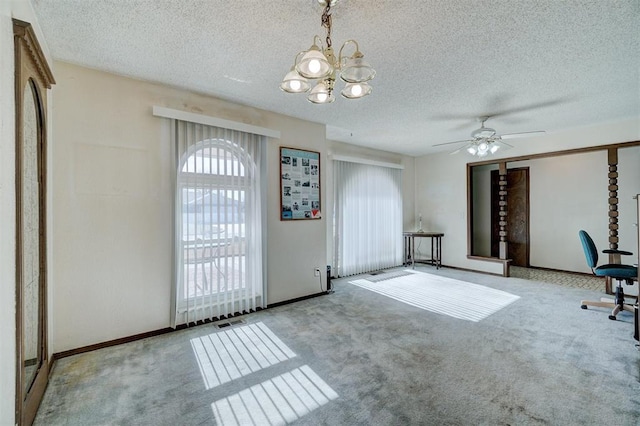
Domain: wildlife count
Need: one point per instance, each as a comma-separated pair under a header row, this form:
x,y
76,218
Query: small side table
x,y
410,248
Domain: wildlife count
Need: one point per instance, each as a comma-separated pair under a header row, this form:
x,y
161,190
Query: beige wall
x,y
112,205
567,194
441,195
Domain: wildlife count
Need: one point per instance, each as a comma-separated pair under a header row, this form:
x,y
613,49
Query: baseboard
x,y
298,299
114,342
457,268
140,336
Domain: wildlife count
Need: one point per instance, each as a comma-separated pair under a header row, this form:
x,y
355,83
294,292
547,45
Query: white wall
x,y
112,204
629,182
567,194
19,9
441,185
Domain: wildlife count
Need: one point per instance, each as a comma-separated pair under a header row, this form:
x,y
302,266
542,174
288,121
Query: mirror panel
x,y
32,79
30,239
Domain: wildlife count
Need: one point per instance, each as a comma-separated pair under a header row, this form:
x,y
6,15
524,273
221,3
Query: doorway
x,y
517,218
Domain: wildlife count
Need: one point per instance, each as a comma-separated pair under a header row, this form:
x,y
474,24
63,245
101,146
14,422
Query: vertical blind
x,y
367,217
218,222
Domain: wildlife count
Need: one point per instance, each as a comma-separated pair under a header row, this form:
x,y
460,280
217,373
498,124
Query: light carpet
x,y
442,295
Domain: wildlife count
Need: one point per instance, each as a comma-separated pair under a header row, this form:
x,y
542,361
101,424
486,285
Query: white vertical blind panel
x,y
368,217
218,222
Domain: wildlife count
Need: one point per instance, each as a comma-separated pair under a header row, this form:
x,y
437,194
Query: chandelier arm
x,y
343,46
319,40
297,58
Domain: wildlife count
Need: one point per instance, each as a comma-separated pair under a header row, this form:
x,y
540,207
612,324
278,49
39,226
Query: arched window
x,y
218,223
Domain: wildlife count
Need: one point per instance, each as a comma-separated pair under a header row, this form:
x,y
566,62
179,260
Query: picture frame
x,y
299,184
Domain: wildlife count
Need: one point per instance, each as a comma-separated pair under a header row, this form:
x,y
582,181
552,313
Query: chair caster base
x,y
583,306
612,317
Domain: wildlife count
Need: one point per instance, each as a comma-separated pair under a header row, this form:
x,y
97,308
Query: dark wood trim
x,y
32,70
558,153
503,214
500,161
612,161
469,209
298,299
161,331
115,342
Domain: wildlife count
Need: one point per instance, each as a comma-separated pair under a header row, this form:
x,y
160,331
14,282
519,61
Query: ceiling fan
x,y
486,141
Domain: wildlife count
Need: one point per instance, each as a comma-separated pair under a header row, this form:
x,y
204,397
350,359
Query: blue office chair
x,y
618,272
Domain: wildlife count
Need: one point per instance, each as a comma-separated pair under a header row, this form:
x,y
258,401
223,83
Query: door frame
x,y
31,69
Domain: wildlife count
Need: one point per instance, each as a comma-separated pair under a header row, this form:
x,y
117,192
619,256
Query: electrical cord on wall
x,y
329,289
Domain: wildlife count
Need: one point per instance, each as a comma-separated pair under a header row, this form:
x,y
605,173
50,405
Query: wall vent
x,y
229,323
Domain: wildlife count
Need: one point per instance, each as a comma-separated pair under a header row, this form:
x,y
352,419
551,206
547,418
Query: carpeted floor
x,y
566,279
357,357
435,293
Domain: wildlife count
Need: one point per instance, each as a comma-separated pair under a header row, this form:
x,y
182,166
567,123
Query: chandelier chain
x,y
326,21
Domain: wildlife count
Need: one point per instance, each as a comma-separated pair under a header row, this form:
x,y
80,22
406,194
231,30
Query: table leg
x,y
413,252
433,255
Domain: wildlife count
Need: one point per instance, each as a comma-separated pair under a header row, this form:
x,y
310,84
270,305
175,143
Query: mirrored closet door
x,y
32,79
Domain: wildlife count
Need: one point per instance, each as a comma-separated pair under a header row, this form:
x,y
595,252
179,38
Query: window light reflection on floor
x,y
237,352
277,401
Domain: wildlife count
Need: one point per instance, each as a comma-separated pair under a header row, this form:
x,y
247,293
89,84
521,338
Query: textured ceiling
x,y
534,65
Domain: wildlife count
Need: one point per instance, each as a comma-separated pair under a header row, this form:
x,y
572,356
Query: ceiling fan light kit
x,y
485,141
319,63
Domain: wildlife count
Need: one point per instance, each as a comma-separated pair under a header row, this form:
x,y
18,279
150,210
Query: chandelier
x,y
320,65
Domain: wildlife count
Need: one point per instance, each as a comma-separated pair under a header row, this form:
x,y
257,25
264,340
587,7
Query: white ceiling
x,y
534,65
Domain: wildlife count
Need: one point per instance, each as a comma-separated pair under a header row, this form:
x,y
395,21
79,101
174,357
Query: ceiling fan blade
x,y
458,150
451,143
529,107
503,143
522,134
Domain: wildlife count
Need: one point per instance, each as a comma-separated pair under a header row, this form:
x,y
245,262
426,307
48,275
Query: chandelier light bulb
x,y
356,90
320,94
314,66
294,83
483,147
494,148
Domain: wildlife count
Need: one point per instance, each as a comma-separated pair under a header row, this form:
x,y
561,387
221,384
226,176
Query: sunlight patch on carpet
x,y
278,401
442,295
228,355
